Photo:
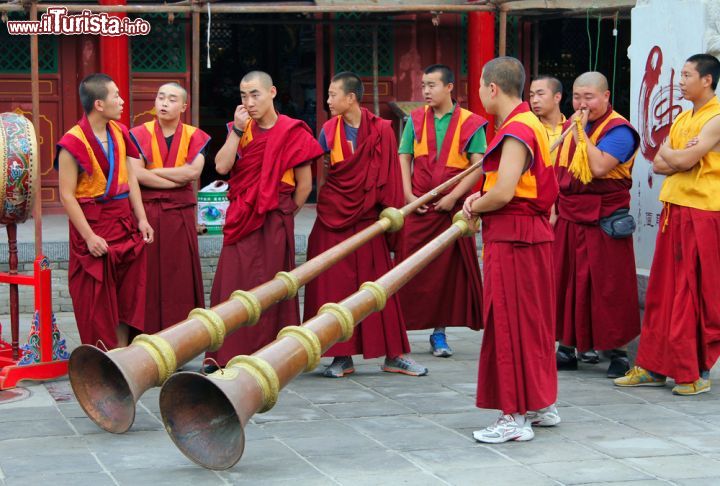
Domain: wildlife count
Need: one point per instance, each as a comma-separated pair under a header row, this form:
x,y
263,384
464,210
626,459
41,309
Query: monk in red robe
x,y
172,159
268,157
681,327
597,296
517,370
440,140
362,177
108,226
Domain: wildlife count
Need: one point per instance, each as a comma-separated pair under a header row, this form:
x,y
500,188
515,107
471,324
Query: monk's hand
x,y
474,225
467,205
553,219
582,115
692,142
97,246
410,198
146,230
241,117
445,204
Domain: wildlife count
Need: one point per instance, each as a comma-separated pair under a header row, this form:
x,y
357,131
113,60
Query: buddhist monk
x,y
362,178
172,159
440,140
681,327
597,305
517,372
545,96
108,226
268,158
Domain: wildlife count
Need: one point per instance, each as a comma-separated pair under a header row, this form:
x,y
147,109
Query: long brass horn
x,y
205,415
108,384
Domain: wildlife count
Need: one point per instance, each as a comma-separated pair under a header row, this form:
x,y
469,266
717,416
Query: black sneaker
x,y
590,357
619,365
566,361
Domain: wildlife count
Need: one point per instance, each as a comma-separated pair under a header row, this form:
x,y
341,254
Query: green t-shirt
x,y
477,144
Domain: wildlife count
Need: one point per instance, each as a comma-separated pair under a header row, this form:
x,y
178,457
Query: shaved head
x,y
507,73
261,77
173,86
592,79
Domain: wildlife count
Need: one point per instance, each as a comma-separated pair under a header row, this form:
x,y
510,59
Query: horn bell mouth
x,y
202,420
102,389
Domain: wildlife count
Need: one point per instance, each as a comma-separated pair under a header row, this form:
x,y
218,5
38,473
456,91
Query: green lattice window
x,y
15,51
163,49
353,46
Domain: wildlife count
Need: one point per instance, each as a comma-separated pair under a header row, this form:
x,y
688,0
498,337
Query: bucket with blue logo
x,y
212,205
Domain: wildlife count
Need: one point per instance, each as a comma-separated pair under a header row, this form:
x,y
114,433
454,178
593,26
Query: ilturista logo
x,y
56,21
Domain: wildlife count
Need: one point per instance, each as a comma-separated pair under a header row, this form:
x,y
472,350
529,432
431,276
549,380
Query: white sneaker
x,y
505,429
545,417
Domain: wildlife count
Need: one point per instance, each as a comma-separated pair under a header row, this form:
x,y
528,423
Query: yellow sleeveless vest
x,y
698,187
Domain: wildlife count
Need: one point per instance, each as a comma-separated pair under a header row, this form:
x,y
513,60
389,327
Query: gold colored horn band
x,y
161,352
264,374
291,282
213,323
344,317
251,303
395,217
460,221
309,340
378,292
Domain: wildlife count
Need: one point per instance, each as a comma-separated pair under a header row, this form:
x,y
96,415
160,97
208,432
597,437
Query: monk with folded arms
x,y
172,159
680,335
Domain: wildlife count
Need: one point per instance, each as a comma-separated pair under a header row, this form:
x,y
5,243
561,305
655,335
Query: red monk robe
x,y
448,292
173,289
681,326
110,289
597,305
517,358
259,238
358,187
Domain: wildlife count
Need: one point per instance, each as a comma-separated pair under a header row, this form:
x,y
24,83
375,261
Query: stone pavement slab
x,y
378,428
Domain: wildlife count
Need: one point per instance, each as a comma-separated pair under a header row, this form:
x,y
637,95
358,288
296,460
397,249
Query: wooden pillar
x,y
115,61
480,50
502,41
35,90
526,53
535,48
195,82
375,62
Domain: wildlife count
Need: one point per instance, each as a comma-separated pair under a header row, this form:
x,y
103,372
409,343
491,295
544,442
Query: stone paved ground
x,y
376,428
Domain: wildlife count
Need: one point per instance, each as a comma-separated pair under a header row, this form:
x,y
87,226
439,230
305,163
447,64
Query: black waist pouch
x,y
619,224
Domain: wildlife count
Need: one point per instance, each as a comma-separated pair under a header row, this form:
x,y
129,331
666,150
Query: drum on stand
x,y
18,168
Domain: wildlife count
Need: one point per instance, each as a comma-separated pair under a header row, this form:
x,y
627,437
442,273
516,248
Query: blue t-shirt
x,y
351,134
619,142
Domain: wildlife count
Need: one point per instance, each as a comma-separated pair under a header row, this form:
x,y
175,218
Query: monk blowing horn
x,y
108,384
205,415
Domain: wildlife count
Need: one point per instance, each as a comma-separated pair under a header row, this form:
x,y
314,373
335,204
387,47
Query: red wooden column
x,y
480,49
115,61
